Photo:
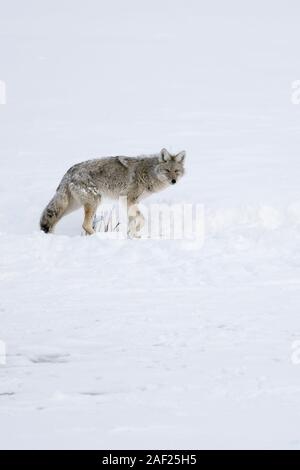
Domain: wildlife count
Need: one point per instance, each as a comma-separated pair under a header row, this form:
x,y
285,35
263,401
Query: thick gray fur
x,y
86,183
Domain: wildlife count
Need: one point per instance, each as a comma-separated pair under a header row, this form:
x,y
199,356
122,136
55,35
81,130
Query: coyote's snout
x,y
135,178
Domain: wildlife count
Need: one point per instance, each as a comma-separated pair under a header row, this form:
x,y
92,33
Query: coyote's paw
x,y
88,230
133,235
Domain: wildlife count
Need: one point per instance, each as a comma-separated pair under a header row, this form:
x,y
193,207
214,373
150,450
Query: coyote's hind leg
x,y
89,213
88,196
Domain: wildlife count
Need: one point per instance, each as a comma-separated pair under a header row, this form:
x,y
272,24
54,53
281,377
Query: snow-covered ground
x,y
152,343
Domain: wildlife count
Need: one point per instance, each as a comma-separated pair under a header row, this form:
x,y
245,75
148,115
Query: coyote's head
x,y
170,167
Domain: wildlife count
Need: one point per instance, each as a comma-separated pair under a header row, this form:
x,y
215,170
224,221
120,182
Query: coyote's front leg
x,y
136,221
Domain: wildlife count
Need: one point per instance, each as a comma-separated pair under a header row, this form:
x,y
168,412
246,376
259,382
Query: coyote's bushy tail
x,y
54,210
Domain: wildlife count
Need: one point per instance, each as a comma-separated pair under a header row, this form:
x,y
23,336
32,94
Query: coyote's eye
x,y
168,171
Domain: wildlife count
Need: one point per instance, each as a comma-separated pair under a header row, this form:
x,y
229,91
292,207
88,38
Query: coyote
x,y
135,178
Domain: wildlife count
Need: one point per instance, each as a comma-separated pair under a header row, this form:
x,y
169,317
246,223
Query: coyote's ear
x,y
180,157
164,155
